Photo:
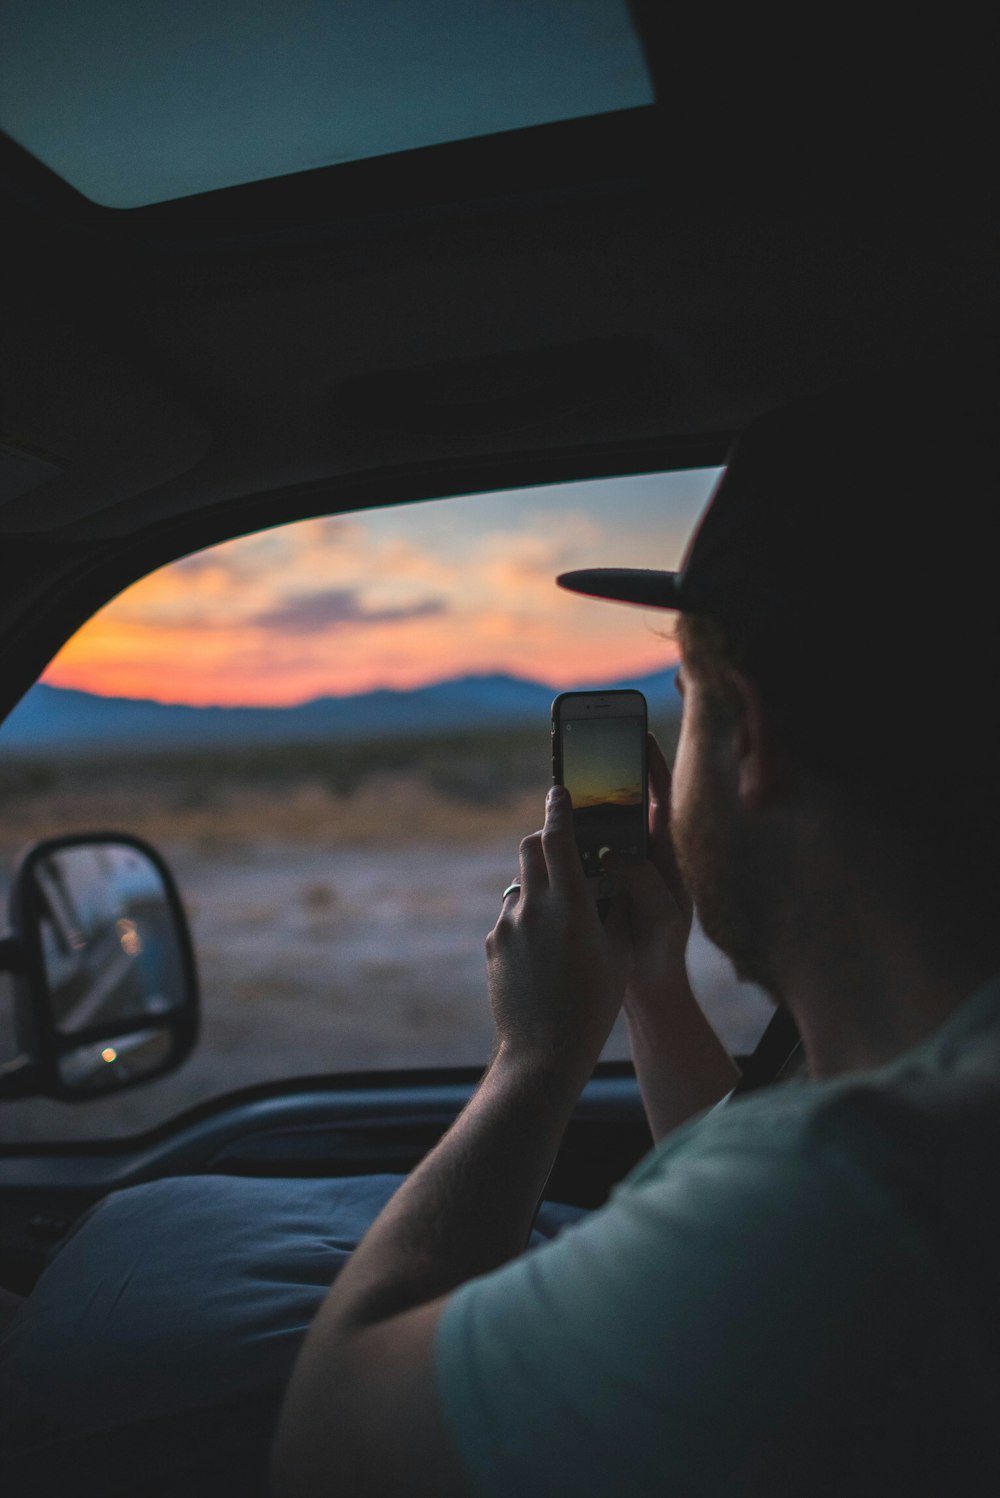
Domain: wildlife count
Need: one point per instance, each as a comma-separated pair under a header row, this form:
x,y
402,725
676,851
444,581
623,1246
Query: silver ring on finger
x,y
512,889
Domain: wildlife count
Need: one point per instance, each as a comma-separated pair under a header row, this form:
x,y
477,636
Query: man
x,y
797,1291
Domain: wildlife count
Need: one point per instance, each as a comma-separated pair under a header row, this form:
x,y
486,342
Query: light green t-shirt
x,y
798,1292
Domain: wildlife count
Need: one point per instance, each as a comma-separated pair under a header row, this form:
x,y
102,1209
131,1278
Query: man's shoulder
x,y
797,1246
918,1133
795,1231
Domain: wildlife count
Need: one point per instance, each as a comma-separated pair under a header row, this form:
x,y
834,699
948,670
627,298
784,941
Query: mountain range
x,y
52,719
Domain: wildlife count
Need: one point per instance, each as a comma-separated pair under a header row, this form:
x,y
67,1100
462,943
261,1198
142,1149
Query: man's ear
x,y
764,773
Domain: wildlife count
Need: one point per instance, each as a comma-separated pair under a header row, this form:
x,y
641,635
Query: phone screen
x,y
604,770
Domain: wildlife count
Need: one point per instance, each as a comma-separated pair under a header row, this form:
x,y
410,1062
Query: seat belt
x,y
772,1053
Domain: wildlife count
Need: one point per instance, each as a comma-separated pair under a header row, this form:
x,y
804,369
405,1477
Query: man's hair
x,y
709,655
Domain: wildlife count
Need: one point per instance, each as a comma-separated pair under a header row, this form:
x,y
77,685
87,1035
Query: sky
x,y
397,597
138,103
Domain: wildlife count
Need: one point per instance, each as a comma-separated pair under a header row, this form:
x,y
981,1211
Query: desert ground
x,y
338,917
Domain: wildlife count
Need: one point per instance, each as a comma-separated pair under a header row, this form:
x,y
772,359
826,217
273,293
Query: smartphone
x,y
599,755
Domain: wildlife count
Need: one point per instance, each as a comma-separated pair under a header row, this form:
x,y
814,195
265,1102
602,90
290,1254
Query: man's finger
x,y
639,880
562,856
661,847
659,791
659,773
534,874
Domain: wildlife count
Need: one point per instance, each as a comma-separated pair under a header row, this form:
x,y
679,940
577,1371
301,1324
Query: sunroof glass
x,y
139,103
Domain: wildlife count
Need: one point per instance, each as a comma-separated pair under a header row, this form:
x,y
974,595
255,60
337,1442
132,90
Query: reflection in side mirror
x,y
101,1067
106,927
107,995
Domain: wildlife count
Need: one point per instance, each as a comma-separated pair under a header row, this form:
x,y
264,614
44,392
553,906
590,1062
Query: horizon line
x,y
527,681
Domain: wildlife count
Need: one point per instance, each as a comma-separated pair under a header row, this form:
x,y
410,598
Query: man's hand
x,y
681,1063
556,975
363,1413
654,918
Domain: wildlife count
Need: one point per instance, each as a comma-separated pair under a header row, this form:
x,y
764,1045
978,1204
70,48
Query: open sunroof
x,y
139,101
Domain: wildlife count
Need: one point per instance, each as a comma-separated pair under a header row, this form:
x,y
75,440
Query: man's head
x,y
848,563
845,572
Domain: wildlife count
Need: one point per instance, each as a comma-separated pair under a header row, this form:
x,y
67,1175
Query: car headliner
x,y
604,295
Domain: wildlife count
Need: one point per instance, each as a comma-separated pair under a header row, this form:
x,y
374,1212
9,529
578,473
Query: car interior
x,y
607,290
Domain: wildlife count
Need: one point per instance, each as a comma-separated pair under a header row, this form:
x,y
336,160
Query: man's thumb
x,y
636,878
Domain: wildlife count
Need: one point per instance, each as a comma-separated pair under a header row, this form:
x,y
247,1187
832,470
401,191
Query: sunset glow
x,y
398,598
626,795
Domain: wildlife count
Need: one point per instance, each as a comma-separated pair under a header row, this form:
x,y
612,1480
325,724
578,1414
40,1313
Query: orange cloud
x,y
390,598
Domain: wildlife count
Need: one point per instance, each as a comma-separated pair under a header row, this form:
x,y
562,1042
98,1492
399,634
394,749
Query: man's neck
x,y
876,999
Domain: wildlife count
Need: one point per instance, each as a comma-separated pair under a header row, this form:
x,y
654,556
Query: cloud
x,y
421,592
522,564
198,562
335,608
626,795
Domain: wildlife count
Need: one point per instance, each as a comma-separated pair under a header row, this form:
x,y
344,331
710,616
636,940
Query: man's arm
x,y
362,1406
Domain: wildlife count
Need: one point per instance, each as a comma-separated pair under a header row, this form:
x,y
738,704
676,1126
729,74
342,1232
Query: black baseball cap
x,y
851,535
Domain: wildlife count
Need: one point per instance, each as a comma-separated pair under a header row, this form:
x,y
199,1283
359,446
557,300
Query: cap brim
x,y
639,585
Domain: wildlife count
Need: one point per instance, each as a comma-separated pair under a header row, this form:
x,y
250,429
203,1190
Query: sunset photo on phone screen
x,y
602,770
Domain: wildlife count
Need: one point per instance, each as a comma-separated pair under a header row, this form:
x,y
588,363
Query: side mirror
x,y
105,991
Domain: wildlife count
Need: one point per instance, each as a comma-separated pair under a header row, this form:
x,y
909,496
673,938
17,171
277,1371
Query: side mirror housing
x,y
105,986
